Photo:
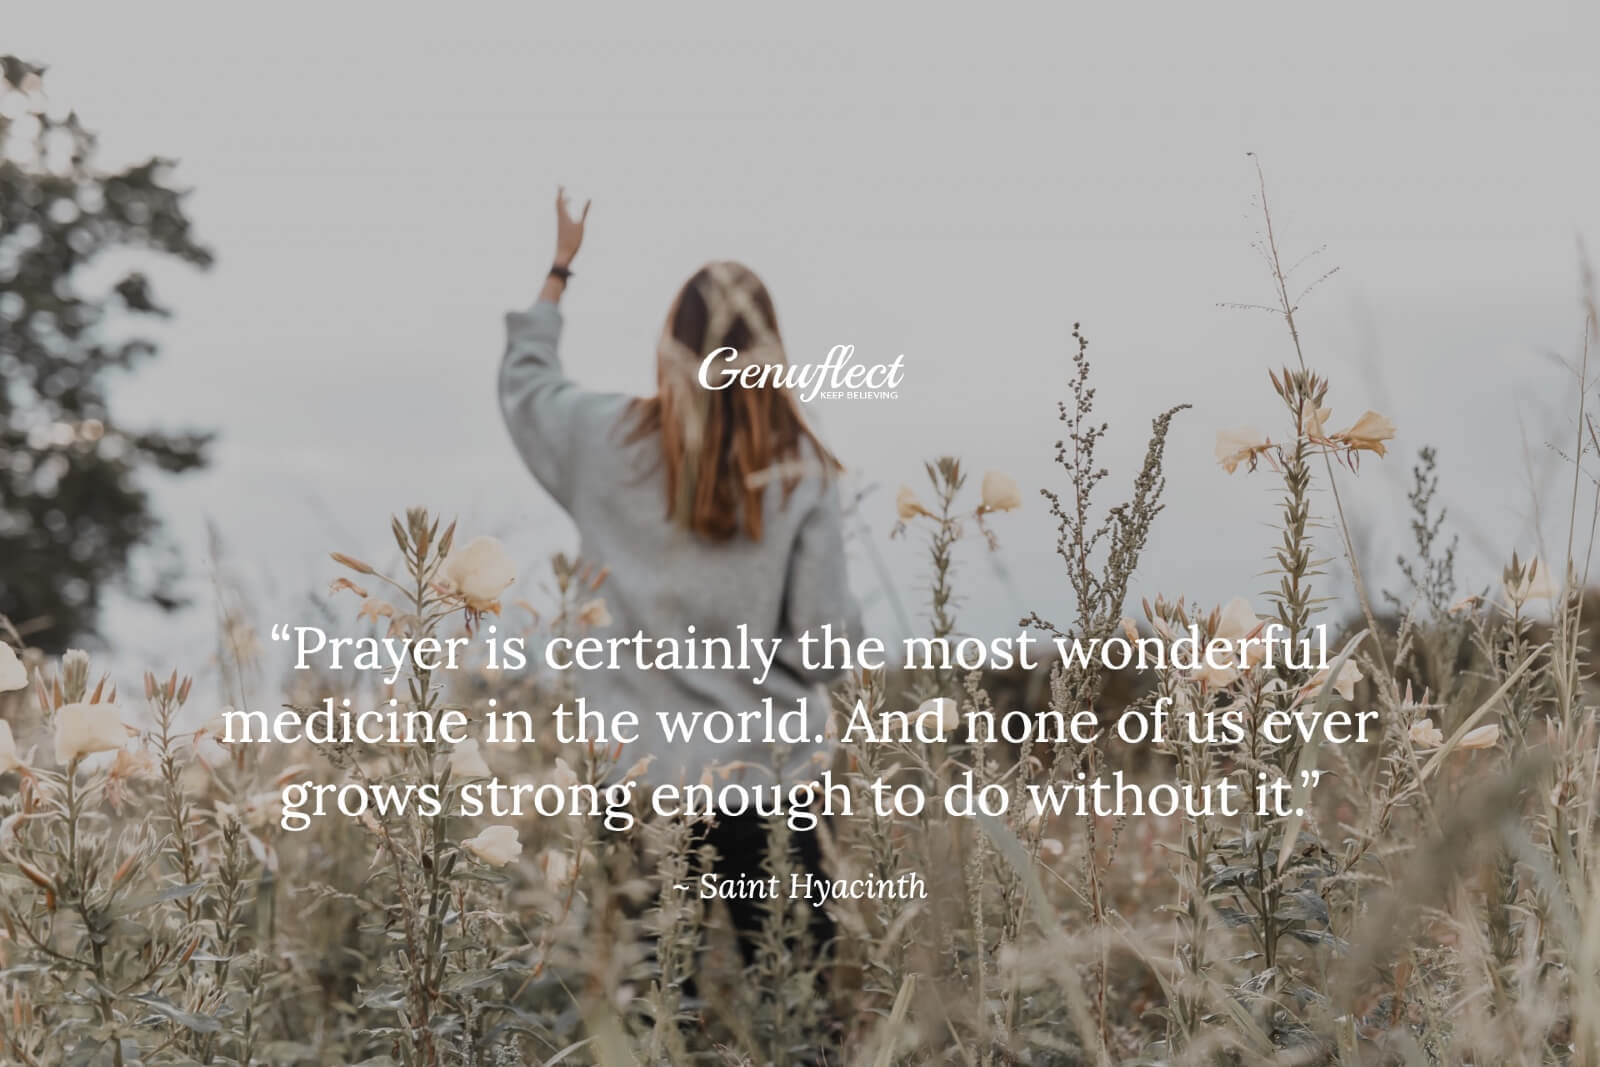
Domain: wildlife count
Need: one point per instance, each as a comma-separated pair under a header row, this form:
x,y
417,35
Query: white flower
x,y
1236,622
1000,492
947,711
9,760
564,776
479,573
1238,446
906,504
1482,737
1426,735
82,729
496,846
13,675
466,761
593,613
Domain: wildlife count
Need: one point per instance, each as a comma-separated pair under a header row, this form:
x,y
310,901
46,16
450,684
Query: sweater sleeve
x,y
545,411
817,592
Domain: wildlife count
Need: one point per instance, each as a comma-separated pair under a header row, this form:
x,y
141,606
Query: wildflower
x,y
263,809
1532,582
1368,434
564,776
1426,735
82,729
1482,737
466,761
9,760
375,609
1236,622
133,762
479,573
593,613
908,506
1243,445
638,768
1052,848
1467,605
340,584
947,711
1000,493
1130,630
13,675
495,846
1344,684
1314,420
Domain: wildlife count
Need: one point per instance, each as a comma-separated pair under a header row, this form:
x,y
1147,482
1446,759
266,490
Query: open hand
x,y
569,230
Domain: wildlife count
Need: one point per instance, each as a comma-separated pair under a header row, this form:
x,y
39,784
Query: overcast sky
x,y
377,188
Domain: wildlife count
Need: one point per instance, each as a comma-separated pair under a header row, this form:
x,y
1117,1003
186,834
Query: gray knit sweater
x,y
665,578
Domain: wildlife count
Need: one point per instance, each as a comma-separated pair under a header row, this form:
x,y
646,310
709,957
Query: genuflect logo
x,y
835,378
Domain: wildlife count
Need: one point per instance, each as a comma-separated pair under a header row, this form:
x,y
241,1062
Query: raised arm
x,y
544,410
569,238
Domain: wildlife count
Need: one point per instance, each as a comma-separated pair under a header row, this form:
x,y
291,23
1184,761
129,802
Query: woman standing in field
x,y
710,508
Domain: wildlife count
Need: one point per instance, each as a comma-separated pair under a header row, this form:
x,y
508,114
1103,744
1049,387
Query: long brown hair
x,y
721,448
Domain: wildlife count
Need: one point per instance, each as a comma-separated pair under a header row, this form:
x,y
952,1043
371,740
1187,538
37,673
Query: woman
x,y
710,508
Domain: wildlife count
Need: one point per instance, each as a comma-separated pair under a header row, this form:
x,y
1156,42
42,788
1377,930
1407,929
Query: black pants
x,y
741,843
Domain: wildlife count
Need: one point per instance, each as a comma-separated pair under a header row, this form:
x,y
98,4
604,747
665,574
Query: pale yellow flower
x,y
133,762
1426,735
1000,492
1344,684
466,761
1368,434
495,846
1238,446
593,613
907,506
1236,622
1482,737
83,729
13,675
9,759
479,572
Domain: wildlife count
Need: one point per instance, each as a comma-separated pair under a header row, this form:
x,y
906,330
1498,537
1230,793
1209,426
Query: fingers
x,y
561,200
585,216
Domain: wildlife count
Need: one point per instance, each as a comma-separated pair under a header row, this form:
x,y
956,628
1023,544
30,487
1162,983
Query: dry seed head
x,y
354,564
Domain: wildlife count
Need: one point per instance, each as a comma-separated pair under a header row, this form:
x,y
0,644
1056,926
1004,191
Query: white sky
x,y
377,189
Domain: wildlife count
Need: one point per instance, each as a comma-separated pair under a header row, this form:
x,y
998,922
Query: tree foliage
x,y
74,505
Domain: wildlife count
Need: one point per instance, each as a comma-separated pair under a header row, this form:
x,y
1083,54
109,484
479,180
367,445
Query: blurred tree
x,y
72,505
